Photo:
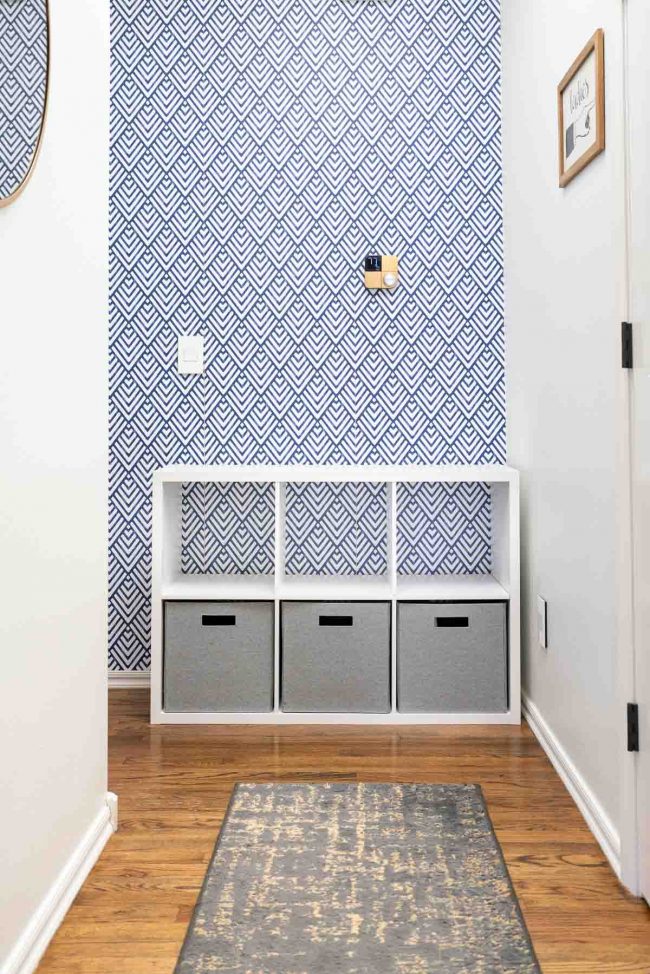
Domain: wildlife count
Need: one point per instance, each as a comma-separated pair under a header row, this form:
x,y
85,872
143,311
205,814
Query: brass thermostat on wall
x,y
381,272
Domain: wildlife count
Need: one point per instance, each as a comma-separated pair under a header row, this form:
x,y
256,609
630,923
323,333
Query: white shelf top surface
x,y
290,473
334,588
206,588
456,588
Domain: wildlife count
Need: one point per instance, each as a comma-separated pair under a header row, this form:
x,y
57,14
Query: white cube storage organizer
x,y
380,698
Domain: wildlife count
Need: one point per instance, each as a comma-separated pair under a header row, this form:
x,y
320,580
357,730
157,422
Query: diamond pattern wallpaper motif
x,y
336,529
258,151
227,529
444,529
23,56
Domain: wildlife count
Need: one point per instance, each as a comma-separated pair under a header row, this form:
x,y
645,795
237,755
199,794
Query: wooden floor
x,y
174,783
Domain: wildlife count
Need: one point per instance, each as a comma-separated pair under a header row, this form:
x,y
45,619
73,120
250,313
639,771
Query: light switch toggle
x,y
190,354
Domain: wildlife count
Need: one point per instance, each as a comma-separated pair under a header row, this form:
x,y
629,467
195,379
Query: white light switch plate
x,y
542,622
190,354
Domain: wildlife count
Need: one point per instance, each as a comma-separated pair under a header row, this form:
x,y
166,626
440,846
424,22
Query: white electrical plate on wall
x,y
542,622
190,354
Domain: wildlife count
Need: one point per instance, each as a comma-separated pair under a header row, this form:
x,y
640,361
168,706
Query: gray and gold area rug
x,y
357,879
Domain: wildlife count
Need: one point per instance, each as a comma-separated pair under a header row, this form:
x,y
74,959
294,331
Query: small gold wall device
x,y
381,273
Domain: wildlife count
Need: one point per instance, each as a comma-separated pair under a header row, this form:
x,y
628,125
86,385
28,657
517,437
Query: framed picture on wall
x,y
581,109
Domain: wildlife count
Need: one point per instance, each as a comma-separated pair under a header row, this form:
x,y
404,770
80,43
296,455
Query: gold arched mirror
x,y
24,62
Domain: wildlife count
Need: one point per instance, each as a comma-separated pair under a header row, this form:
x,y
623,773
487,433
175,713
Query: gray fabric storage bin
x,y
452,657
218,657
329,667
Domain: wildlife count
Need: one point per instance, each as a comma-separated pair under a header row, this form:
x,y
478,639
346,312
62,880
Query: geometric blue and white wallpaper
x,y
259,149
227,529
444,529
336,529
23,78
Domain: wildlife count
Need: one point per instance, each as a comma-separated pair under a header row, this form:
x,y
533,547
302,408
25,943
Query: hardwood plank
x,y
174,784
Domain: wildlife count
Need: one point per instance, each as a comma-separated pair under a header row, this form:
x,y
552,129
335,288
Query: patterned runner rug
x,y
357,879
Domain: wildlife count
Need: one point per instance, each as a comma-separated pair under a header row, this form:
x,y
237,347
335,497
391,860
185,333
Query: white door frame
x,y
629,656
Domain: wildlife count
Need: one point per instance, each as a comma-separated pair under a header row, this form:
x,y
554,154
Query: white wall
x,y
564,304
53,481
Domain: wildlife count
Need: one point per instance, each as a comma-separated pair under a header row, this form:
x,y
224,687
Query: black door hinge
x,y
633,727
627,345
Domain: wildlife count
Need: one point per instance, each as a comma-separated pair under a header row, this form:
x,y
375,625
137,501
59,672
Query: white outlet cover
x,y
542,622
190,354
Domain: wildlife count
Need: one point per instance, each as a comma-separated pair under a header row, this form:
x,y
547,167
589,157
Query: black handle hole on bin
x,y
335,621
219,620
452,622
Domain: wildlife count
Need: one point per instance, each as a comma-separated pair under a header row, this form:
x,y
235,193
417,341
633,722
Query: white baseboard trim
x,y
33,942
128,679
592,811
